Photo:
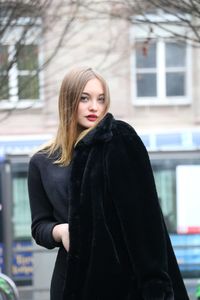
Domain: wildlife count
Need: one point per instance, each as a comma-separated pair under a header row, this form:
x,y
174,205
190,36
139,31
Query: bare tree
x,y
30,20
28,23
168,15
22,25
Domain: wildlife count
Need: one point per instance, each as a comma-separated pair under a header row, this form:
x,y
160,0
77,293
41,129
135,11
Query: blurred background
x,y
148,51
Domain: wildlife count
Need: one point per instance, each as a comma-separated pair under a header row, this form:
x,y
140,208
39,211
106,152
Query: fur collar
x,y
101,133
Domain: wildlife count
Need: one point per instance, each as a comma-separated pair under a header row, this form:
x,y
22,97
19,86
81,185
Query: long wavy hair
x,y
68,134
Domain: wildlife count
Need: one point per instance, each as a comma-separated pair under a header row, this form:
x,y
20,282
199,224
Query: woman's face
x,y
92,104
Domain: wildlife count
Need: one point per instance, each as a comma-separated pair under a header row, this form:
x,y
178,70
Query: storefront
x,y
175,160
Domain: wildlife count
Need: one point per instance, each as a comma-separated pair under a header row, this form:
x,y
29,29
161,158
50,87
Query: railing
x,y
8,289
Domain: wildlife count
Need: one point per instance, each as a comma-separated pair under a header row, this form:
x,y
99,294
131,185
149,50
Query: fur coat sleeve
x,y
134,195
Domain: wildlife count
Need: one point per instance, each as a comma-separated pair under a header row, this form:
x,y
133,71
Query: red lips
x,y
92,118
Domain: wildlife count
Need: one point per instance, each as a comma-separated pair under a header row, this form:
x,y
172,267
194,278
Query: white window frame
x,y
10,40
141,33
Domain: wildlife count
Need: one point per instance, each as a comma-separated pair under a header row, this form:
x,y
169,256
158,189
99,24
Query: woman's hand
x,y
61,234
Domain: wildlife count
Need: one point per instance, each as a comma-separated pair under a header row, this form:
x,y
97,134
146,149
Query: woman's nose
x,y
93,105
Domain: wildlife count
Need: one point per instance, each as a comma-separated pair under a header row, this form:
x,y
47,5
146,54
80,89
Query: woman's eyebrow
x,y
88,94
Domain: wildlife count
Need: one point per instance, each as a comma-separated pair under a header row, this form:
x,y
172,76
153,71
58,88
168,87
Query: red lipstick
x,y
92,117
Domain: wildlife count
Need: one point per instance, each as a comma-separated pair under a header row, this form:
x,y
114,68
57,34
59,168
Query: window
x,y
21,210
176,177
25,80
161,72
175,63
27,65
20,79
160,68
4,90
167,179
146,66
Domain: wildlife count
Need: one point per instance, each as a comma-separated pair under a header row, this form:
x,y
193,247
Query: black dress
x,y
48,194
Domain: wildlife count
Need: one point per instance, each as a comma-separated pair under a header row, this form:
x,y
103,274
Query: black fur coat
x,y
119,246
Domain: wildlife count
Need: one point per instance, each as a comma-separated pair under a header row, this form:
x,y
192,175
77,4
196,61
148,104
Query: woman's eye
x,y
101,99
84,98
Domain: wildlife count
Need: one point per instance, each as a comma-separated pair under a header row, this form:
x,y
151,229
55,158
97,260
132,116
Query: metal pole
x,y
7,218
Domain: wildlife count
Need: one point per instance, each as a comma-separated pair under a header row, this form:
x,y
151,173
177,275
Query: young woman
x,y
92,194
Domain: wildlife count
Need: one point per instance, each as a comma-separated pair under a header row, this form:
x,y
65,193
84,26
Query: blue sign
x,y
22,266
172,141
20,145
187,251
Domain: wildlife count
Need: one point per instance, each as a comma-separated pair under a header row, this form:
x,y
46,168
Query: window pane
x,y
175,55
165,184
21,210
3,57
4,91
175,84
28,87
146,85
145,55
27,57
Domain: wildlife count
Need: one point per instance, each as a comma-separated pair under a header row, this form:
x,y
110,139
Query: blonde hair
x,y
70,93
